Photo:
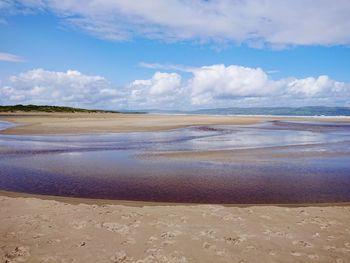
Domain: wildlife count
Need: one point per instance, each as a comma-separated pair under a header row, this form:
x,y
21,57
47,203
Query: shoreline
x,y
46,228
131,203
95,123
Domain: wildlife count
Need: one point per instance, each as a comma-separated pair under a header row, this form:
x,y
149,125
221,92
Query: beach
x,y
78,123
37,230
46,228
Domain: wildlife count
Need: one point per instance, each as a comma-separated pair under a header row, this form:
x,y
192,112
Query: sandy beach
x,y
36,230
60,229
79,123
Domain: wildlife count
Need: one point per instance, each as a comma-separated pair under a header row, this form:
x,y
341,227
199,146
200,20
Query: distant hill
x,y
282,111
47,108
276,111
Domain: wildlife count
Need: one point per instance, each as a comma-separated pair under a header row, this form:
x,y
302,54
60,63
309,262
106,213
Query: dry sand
x,y
36,230
39,230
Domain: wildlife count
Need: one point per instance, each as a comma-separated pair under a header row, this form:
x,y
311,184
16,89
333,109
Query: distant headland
x,y
272,111
57,109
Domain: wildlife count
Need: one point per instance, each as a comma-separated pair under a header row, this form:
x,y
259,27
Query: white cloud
x,y
8,57
208,87
322,86
236,86
70,88
220,82
163,90
256,22
227,86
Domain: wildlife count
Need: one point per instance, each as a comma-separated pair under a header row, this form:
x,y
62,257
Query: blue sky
x,y
108,52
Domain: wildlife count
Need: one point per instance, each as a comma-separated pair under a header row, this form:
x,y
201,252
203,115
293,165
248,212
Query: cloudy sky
x,y
175,54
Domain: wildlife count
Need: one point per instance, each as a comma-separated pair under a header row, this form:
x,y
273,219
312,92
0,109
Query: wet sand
x,y
79,123
34,229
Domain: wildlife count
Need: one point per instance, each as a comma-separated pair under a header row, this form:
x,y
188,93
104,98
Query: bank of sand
x,y
77,123
34,229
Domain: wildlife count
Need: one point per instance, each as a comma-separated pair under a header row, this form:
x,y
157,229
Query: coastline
x,y
92,123
43,228
102,202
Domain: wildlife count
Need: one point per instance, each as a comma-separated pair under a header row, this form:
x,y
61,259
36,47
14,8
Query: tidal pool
x,y
271,162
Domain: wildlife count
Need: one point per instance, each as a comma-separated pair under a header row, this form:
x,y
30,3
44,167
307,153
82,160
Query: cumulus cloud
x,y
162,90
242,86
208,87
322,86
256,22
220,82
229,86
70,88
8,57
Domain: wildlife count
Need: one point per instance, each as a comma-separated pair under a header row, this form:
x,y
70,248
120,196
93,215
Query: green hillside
x,y
47,108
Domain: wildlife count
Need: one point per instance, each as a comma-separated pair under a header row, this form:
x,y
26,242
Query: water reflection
x,y
273,162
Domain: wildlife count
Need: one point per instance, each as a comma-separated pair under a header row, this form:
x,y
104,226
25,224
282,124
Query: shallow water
x,y
272,162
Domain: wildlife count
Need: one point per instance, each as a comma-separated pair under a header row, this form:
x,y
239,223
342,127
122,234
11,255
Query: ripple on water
x,y
281,163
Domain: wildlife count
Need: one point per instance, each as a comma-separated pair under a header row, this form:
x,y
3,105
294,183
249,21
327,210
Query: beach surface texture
x,y
80,123
36,230
61,229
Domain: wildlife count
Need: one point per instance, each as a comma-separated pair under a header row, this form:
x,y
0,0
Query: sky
x,y
175,54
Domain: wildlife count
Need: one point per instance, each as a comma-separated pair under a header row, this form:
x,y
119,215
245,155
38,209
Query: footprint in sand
x,y
78,224
184,219
320,221
316,235
313,257
330,248
270,233
296,254
120,257
231,217
208,245
234,240
303,213
168,242
208,233
167,235
152,239
17,255
128,241
302,243
131,215
37,235
115,227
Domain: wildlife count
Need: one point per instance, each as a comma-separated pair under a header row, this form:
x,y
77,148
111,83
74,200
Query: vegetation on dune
x,y
47,108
